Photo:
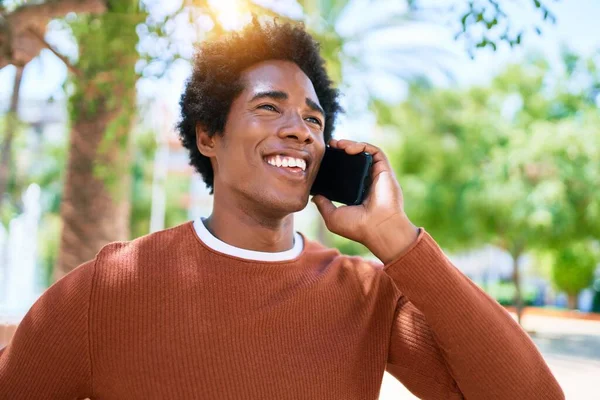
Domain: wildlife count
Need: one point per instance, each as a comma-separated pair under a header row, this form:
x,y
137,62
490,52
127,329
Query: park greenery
x,y
513,163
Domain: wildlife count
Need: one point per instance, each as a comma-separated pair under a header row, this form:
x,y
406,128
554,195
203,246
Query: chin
x,y
285,205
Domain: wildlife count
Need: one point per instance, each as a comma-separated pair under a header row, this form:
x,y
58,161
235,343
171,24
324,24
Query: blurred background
x,y
488,110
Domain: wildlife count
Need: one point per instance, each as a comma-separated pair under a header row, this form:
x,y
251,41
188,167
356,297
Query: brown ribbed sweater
x,y
166,317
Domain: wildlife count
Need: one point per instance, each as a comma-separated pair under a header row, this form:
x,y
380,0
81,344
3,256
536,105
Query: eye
x,y
269,107
314,120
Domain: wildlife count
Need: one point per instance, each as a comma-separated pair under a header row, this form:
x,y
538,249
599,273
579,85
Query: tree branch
x,y
64,59
19,30
58,8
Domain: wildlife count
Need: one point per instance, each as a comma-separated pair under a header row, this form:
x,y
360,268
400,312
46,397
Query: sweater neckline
x,y
298,256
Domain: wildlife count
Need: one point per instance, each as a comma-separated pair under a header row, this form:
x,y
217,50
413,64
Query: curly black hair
x,y
216,80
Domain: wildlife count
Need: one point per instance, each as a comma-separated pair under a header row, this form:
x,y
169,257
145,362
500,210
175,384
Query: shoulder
x,y
367,271
366,262
147,258
147,247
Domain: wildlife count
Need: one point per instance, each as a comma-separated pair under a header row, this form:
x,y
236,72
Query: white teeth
x,y
282,161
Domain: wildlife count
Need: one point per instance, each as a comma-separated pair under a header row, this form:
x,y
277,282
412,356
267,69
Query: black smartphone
x,y
343,177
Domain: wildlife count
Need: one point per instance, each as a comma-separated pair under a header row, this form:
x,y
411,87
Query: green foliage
x,y
542,265
514,163
504,293
490,18
596,299
16,175
48,245
498,163
48,173
8,211
574,267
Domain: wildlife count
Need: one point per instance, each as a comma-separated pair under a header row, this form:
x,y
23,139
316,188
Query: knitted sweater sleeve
x,y
48,356
450,340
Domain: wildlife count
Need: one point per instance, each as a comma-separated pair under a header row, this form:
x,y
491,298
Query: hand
x,y
379,222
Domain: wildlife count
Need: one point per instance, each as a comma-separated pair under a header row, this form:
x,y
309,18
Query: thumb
x,y
325,207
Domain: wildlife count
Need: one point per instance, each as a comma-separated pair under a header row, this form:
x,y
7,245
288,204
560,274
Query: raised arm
x,y
451,340
48,356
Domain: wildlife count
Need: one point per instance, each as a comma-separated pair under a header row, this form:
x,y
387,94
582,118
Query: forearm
x,y
488,354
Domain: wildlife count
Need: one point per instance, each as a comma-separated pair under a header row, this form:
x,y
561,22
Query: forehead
x,y
280,75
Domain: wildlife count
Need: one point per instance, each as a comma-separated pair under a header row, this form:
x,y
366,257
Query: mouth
x,y
288,166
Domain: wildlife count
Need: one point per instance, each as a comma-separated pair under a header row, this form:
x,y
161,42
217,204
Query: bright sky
x,y
577,27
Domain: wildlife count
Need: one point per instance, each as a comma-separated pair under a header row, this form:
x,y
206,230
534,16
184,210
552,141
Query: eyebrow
x,y
315,107
279,95
272,94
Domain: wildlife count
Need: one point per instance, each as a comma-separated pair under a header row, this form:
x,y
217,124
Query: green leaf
x,y
463,21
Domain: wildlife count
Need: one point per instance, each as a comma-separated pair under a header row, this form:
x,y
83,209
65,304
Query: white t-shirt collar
x,y
216,244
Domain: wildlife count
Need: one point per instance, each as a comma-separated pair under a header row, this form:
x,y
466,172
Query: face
x,y
273,143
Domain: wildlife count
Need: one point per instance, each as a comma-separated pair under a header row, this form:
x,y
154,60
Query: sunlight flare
x,y
231,14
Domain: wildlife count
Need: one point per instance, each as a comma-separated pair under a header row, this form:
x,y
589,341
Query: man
x,y
238,305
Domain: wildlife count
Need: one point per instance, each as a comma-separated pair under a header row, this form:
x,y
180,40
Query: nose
x,y
297,129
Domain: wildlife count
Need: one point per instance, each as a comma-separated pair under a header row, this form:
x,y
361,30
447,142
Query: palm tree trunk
x,y
11,127
95,206
93,212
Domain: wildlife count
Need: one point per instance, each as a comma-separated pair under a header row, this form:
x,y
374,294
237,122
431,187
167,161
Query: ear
x,y
205,143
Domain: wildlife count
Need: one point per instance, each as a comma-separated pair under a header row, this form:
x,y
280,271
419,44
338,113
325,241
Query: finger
x,y
353,147
345,143
350,146
325,207
380,161
376,152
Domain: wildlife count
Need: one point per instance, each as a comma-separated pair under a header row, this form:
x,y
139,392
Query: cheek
x,y
241,162
319,150
238,156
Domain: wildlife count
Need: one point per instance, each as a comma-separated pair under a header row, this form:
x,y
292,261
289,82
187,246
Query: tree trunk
x,y
11,127
572,300
516,278
92,214
95,206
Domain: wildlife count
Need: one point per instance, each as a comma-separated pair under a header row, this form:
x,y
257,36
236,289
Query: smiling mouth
x,y
292,163
289,166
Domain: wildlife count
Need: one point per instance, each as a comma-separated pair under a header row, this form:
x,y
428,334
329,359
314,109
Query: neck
x,y
248,229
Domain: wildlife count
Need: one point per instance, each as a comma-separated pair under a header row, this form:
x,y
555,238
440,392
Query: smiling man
x,y
238,305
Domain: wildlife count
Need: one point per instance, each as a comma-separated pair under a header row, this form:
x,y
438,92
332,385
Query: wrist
x,y
389,241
